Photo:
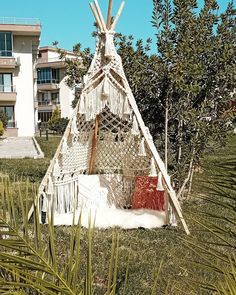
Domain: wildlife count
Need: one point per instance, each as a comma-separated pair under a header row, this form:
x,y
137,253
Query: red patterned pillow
x,y
146,194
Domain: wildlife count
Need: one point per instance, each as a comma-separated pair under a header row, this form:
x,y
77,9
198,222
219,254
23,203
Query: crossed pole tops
x,y
108,26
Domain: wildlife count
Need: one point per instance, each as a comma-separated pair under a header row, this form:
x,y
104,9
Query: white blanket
x,y
111,217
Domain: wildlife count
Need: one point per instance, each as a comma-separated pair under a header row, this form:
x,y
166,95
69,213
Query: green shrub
x,y
3,119
55,116
1,128
56,123
60,125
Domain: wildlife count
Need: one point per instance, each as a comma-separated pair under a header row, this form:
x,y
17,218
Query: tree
x,y
76,68
56,123
1,128
3,119
196,52
55,116
183,90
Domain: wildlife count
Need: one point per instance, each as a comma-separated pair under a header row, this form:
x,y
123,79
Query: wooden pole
x,y
159,162
94,144
117,16
166,133
109,15
96,16
100,15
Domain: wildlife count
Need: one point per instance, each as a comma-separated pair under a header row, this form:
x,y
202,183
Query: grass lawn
x,y
140,250
32,169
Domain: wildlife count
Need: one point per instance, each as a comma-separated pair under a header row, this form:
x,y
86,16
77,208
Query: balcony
x,y
48,85
7,62
52,62
7,93
48,105
19,26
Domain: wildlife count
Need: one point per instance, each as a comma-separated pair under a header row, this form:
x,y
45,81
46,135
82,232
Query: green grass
x,y
32,169
141,250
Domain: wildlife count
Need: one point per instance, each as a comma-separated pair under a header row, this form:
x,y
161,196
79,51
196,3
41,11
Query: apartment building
x,y
52,90
19,42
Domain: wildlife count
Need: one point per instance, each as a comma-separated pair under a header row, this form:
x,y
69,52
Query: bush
x,y
3,119
55,116
1,128
59,125
56,123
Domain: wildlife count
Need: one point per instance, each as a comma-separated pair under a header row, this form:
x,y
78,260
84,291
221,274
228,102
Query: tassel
x,y
126,110
159,182
56,169
105,88
82,109
142,151
108,46
64,147
172,217
85,79
44,203
153,171
135,129
74,129
50,187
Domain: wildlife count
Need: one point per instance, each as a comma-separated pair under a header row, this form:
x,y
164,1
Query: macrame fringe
x,y
56,169
127,109
135,128
142,151
85,79
172,217
82,108
50,187
153,171
66,197
44,203
105,88
64,147
159,182
74,129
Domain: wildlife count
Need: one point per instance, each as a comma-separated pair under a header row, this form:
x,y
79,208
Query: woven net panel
x,y
117,148
79,148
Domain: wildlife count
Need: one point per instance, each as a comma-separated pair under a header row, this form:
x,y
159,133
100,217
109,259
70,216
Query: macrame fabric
x,y
103,160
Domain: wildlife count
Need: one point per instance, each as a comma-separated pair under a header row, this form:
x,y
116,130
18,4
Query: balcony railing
x,y
7,88
6,53
47,103
19,21
48,81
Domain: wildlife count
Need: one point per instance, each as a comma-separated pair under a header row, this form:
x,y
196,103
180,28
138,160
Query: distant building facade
x,y
52,90
19,41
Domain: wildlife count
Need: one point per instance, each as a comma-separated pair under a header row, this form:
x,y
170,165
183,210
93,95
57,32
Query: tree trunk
x,y
189,170
180,136
166,131
190,182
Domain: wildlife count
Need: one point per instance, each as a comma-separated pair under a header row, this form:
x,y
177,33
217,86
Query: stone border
x,y
38,149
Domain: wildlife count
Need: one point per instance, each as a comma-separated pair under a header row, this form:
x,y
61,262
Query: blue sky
x,y
70,22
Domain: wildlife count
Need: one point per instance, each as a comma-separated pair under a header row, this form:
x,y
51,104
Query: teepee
x,y
107,160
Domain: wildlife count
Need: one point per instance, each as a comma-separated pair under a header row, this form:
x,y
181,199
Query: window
x,y
43,98
47,75
55,98
5,44
44,117
9,111
6,82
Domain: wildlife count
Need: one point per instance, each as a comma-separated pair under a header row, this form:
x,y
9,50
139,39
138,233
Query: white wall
x,y
23,80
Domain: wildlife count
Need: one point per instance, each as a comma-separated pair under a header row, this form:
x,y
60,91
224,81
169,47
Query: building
x,y
19,41
52,90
